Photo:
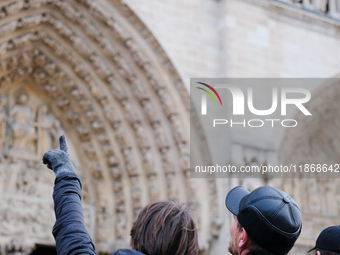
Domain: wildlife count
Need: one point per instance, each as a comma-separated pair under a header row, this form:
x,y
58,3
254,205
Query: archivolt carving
x,y
106,90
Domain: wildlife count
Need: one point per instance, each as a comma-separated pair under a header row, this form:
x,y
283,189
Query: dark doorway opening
x,y
44,250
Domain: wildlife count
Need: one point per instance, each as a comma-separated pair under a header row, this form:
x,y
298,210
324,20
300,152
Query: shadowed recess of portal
x,y
44,249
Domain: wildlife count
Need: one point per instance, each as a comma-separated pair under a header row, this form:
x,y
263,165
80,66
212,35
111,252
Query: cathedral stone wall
x,y
114,81
262,38
189,32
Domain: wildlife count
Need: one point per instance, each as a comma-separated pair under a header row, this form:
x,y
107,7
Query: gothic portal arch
x,y
315,140
93,70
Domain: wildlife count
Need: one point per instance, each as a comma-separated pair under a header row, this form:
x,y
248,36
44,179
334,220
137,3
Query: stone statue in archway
x,y
22,131
48,128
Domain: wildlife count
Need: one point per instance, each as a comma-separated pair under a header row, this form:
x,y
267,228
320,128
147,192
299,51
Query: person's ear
x,y
243,241
318,253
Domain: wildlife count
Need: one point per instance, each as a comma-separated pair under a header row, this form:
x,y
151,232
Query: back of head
x,y
328,242
164,228
270,217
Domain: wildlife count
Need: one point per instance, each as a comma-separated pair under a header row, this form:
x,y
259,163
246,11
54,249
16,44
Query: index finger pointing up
x,y
62,143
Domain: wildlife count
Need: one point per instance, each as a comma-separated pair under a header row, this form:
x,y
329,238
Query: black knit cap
x,y
270,217
329,240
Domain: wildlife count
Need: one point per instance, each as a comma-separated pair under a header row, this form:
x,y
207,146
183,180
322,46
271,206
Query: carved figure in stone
x,y
183,149
32,21
81,46
136,191
178,130
69,10
167,102
5,46
116,173
50,68
85,104
120,224
160,137
57,47
24,40
77,93
131,168
138,88
142,139
59,75
2,120
124,68
130,111
148,161
96,90
15,7
26,179
12,61
63,103
153,187
116,88
185,162
133,46
121,135
123,33
23,133
37,3
9,27
140,58
107,46
171,186
100,65
44,124
61,27
89,28
117,186
25,59
130,164
149,111
102,234
4,174
168,167
110,114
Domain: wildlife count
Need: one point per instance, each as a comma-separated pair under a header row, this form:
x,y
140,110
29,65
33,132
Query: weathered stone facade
x,y
115,83
259,39
92,70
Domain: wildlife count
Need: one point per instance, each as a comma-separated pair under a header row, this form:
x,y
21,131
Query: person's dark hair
x,y
256,249
164,228
325,252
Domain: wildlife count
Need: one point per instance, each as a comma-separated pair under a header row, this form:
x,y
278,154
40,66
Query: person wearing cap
x,y
328,242
266,221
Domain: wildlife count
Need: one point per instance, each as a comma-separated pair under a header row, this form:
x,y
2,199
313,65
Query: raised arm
x,y
69,231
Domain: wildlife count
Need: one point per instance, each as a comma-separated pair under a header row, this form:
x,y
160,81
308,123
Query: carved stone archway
x,y
96,69
315,140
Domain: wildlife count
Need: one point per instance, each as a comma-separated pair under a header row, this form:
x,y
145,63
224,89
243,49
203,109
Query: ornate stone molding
x,y
117,94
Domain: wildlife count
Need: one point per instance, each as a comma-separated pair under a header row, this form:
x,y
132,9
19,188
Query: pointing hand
x,y
58,160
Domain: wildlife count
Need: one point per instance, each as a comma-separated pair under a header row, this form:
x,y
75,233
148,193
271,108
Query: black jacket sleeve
x,y
127,252
69,231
